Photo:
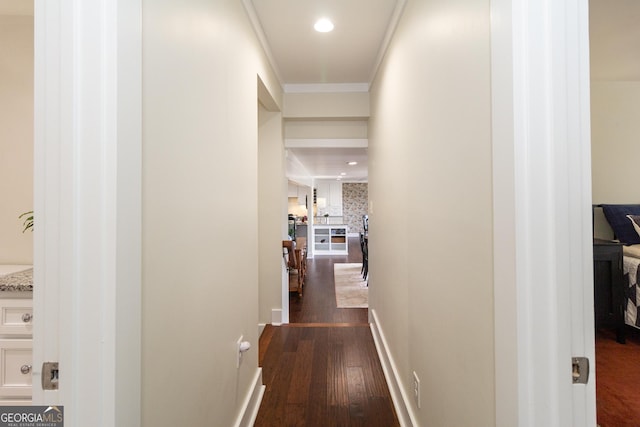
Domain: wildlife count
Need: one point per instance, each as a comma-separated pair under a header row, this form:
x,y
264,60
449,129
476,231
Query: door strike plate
x,y
50,376
580,370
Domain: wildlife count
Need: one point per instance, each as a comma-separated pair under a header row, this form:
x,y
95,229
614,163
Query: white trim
x,y
276,313
542,233
326,143
401,401
391,29
127,243
284,312
87,195
325,87
251,404
504,217
257,28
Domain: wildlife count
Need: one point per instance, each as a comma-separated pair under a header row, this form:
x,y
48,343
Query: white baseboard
x,y
276,316
401,401
261,327
251,404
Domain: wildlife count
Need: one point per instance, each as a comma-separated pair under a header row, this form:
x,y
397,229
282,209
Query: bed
x,y
624,221
630,265
16,278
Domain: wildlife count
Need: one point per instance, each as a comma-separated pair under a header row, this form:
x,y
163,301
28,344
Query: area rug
x,y
351,288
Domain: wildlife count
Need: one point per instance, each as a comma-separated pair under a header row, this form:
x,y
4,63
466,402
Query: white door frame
x,y
542,216
87,234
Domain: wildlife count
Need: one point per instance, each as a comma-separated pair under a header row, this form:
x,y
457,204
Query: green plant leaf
x,y
28,221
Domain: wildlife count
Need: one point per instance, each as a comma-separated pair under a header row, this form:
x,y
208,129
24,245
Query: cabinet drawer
x,y
16,316
14,355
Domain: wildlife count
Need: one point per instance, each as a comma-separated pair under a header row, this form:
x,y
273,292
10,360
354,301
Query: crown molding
x,y
326,143
257,28
391,29
326,87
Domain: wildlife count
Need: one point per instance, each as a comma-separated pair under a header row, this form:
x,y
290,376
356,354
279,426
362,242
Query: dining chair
x,y
364,247
296,263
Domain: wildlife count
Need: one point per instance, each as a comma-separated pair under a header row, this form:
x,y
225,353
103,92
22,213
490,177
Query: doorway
x,y
615,90
16,188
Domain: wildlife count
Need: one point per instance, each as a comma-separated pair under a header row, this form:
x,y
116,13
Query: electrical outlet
x,y
238,352
416,388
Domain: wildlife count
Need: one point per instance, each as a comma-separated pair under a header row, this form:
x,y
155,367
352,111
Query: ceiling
x,y
331,163
350,54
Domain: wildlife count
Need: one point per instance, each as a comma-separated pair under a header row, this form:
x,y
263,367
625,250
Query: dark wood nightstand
x,y
608,288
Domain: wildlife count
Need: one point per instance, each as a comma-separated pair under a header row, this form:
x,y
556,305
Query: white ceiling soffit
x,y
328,158
349,54
296,171
331,163
614,32
326,143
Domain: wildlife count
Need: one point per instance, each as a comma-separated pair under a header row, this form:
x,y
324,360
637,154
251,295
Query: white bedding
x,y
13,268
631,250
632,291
630,265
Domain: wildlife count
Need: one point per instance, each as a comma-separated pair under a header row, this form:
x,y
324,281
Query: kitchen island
x,y
330,239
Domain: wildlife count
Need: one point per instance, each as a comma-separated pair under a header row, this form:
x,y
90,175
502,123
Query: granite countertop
x,y
21,281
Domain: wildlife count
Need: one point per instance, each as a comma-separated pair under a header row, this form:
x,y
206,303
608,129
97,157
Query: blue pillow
x,y
622,228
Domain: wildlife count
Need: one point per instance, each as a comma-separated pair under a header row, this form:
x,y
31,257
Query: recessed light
x,y
343,173
352,163
323,25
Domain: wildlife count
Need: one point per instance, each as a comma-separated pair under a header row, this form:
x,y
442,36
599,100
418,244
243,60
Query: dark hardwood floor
x,y
618,379
322,369
318,301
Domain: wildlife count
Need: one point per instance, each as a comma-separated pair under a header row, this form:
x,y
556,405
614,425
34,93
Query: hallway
x,y
322,369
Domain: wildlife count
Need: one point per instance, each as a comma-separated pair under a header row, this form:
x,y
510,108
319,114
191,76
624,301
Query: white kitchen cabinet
x,y
322,192
335,195
16,355
331,193
292,190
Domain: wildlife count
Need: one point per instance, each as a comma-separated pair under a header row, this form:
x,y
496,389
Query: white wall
x,y
326,129
615,126
615,147
326,105
200,252
16,137
431,282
